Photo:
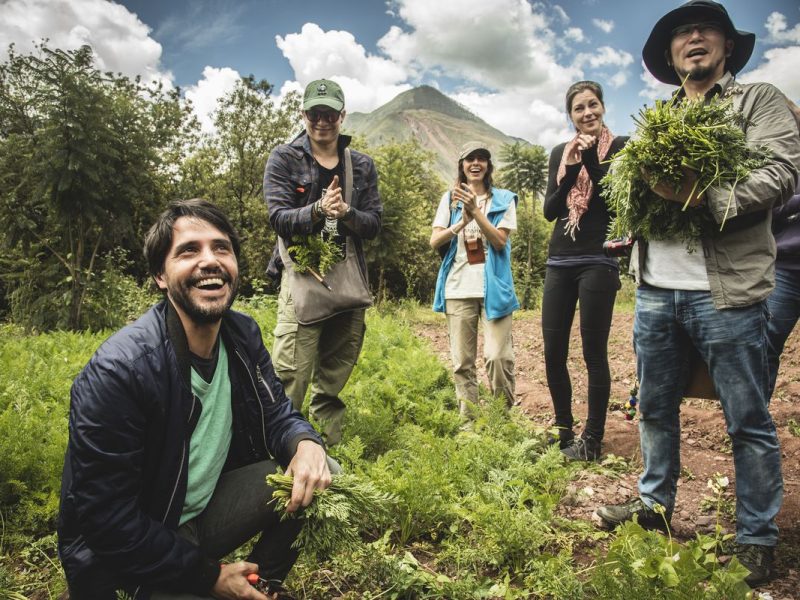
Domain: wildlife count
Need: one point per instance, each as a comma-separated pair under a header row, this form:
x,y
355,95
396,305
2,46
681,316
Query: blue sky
x,y
509,61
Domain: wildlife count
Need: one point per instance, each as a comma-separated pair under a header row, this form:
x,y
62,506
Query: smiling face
x,y
587,113
475,167
699,50
323,124
200,273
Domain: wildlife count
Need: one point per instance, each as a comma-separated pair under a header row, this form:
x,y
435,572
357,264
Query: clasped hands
x,y
469,200
332,203
687,194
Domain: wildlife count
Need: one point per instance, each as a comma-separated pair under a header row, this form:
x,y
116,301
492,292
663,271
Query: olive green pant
x,y
463,316
323,355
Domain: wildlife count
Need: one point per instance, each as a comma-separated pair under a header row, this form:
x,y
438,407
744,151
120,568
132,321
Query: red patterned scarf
x,y
581,192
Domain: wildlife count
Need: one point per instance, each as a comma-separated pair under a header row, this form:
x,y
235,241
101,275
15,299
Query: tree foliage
x,y
401,262
85,162
525,172
227,167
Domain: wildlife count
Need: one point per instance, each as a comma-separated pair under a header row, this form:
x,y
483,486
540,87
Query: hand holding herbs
x,y
337,514
680,150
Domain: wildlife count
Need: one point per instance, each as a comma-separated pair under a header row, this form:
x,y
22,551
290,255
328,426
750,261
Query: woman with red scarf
x,y
578,271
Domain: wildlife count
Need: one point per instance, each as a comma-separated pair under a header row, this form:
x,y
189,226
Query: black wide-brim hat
x,y
656,49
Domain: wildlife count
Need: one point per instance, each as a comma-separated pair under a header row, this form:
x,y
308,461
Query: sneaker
x,y
616,514
759,560
583,448
563,438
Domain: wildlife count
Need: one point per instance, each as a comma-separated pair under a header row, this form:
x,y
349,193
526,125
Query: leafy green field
x,y
475,513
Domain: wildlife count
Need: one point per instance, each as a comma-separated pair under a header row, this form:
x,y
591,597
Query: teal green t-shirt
x,y
211,439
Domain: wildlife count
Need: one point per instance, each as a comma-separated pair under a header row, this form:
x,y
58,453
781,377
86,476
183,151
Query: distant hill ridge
x,y
437,122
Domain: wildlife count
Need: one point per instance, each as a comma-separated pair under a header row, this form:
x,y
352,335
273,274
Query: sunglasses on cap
x,y
704,28
329,116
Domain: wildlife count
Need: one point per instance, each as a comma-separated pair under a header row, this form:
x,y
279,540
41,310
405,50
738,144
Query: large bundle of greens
x,y
337,515
671,138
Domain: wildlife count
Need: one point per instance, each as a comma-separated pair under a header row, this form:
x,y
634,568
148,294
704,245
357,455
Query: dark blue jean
x,y
732,343
784,308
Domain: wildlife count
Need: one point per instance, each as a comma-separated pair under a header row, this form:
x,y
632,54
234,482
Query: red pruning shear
x,y
265,586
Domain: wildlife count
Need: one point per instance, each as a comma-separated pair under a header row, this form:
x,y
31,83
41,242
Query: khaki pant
x,y
498,350
323,355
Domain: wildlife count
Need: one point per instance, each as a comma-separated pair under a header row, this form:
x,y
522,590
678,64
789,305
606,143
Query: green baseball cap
x,y
323,92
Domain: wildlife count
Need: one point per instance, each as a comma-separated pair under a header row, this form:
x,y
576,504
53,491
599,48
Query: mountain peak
x,y
438,123
426,97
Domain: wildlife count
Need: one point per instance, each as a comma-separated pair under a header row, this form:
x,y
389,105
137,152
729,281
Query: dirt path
x,y
705,448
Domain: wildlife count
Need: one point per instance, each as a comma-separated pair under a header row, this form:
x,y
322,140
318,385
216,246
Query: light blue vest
x,y
499,297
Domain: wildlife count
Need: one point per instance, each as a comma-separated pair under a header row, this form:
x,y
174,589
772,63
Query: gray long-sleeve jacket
x,y
740,260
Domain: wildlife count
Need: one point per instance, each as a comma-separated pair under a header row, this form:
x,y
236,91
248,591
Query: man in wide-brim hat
x,y
713,300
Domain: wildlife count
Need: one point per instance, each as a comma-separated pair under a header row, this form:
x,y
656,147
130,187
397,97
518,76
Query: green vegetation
x,y
466,513
673,140
87,159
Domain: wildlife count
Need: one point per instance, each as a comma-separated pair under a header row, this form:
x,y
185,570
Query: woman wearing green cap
x,y
475,220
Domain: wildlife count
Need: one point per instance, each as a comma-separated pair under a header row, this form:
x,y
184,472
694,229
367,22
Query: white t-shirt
x,y
670,265
465,280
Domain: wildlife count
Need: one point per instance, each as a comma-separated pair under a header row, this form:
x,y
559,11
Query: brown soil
x,y
705,449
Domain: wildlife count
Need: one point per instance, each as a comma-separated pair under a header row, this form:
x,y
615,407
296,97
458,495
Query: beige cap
x,y
471,147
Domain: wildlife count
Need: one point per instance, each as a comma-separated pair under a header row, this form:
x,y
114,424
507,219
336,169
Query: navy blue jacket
x,y
786,229
291,186
132,414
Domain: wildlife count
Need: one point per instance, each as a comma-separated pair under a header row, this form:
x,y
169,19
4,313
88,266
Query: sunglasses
x,y
704,28
329,116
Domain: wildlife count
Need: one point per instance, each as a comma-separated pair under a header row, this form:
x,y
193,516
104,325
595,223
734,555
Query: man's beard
x,y
203,315
698,73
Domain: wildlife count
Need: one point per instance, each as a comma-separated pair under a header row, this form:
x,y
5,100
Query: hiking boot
x,y
564,438
583,448
616,514
759,560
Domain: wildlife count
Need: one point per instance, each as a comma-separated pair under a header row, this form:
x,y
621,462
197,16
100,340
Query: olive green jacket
x,y
740,259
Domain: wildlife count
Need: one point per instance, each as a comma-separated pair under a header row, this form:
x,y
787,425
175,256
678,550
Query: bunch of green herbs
x,y
336,515
314,252
672,137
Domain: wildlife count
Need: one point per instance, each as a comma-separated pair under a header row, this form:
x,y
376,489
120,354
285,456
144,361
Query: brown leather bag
x,y
475,253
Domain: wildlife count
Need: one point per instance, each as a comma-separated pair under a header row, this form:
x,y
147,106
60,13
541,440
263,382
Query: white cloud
x,y
561,13
619,79
512,73
603,57
779,31
603,25
204,95
368,80
574,34
494,44
121,42
523,116
778,63
654,89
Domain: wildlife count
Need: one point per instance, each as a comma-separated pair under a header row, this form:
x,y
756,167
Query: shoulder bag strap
x,y
348,177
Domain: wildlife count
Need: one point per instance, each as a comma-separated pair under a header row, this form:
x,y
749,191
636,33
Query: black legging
x,y
596,287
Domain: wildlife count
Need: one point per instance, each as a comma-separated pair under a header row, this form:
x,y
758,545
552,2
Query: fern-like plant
x,y
336,516
314,252
671,137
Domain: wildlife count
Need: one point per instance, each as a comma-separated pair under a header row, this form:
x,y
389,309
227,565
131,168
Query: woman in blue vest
x,y
475,284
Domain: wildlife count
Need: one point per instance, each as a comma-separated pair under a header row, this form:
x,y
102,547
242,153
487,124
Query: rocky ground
x,y
705,450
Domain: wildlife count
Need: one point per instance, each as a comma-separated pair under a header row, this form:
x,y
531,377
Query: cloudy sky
x,y
509,61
